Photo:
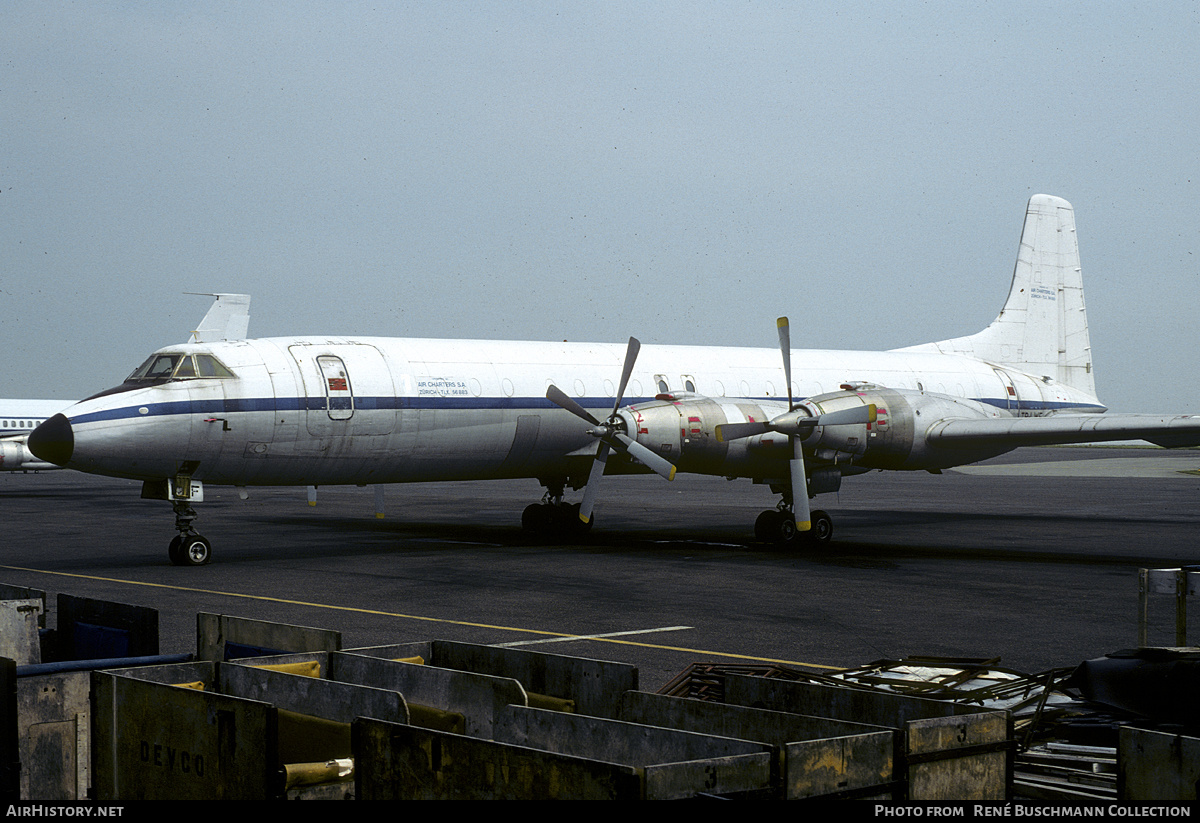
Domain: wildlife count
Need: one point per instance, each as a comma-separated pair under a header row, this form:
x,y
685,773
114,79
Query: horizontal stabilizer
x,y
1167,431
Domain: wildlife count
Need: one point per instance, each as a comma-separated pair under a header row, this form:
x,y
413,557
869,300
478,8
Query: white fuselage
x,y
20,417
331,410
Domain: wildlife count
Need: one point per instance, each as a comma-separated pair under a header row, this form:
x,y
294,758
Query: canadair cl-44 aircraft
x,y
310,411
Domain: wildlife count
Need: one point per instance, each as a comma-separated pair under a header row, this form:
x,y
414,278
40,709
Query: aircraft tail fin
x,y
1042,329
227,319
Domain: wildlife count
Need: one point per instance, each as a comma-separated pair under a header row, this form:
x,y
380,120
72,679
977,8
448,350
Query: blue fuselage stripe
x,y
222,406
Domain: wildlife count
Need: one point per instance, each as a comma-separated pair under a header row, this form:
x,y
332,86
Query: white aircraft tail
x,y
1042,329
228,319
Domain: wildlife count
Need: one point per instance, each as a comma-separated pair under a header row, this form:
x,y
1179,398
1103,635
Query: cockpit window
x,y
158,367
209,366
186,368
178,367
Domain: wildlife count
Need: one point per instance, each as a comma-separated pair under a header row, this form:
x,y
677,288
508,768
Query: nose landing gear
x,y
187,548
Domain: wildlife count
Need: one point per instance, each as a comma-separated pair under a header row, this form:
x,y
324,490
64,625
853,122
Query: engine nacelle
x,y
15,457
682,428
896,440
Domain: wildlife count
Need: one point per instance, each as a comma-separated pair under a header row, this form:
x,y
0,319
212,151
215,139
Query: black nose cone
x,y
53,441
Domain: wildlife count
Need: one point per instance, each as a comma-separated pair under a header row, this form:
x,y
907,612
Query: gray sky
x,y
681,172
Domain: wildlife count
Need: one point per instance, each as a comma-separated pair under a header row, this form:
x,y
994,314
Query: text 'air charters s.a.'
x,y
311,411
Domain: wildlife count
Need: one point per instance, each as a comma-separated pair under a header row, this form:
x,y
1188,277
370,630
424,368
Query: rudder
x,y
1042,329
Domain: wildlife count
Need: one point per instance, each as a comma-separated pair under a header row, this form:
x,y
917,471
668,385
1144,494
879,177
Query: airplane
x,y
311,411
17,419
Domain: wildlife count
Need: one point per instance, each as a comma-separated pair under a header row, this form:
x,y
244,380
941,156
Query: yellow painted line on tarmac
x,y
565,635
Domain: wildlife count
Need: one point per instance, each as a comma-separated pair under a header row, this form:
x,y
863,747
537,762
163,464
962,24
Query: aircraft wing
x,y
1162,430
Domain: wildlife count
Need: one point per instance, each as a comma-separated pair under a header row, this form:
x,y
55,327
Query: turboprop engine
x,y
896,439
860,427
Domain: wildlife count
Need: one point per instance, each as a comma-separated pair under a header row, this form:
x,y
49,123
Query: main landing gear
x,y
553,517
779,526
188,548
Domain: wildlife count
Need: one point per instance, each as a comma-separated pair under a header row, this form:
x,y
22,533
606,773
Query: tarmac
x,y
1031,558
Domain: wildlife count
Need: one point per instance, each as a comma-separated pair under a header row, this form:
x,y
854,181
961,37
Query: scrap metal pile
x,y
1065,720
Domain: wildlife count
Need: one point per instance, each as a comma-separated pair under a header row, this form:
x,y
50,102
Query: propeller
x,y
800,508
611,435
795,424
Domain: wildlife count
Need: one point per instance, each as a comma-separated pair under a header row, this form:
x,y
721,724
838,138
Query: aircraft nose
x,y
53,441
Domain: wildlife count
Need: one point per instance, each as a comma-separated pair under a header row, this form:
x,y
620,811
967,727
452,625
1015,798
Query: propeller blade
x,y
659,465
735,431
556,396
785,346
593,482
800,509
631,353
858,414
793,422
843,417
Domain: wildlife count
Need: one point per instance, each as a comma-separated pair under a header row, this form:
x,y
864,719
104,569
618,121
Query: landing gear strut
x,y
188,548
779,526
553,517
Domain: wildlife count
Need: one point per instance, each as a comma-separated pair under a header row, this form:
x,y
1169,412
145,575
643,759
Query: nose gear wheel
x,y
188,548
